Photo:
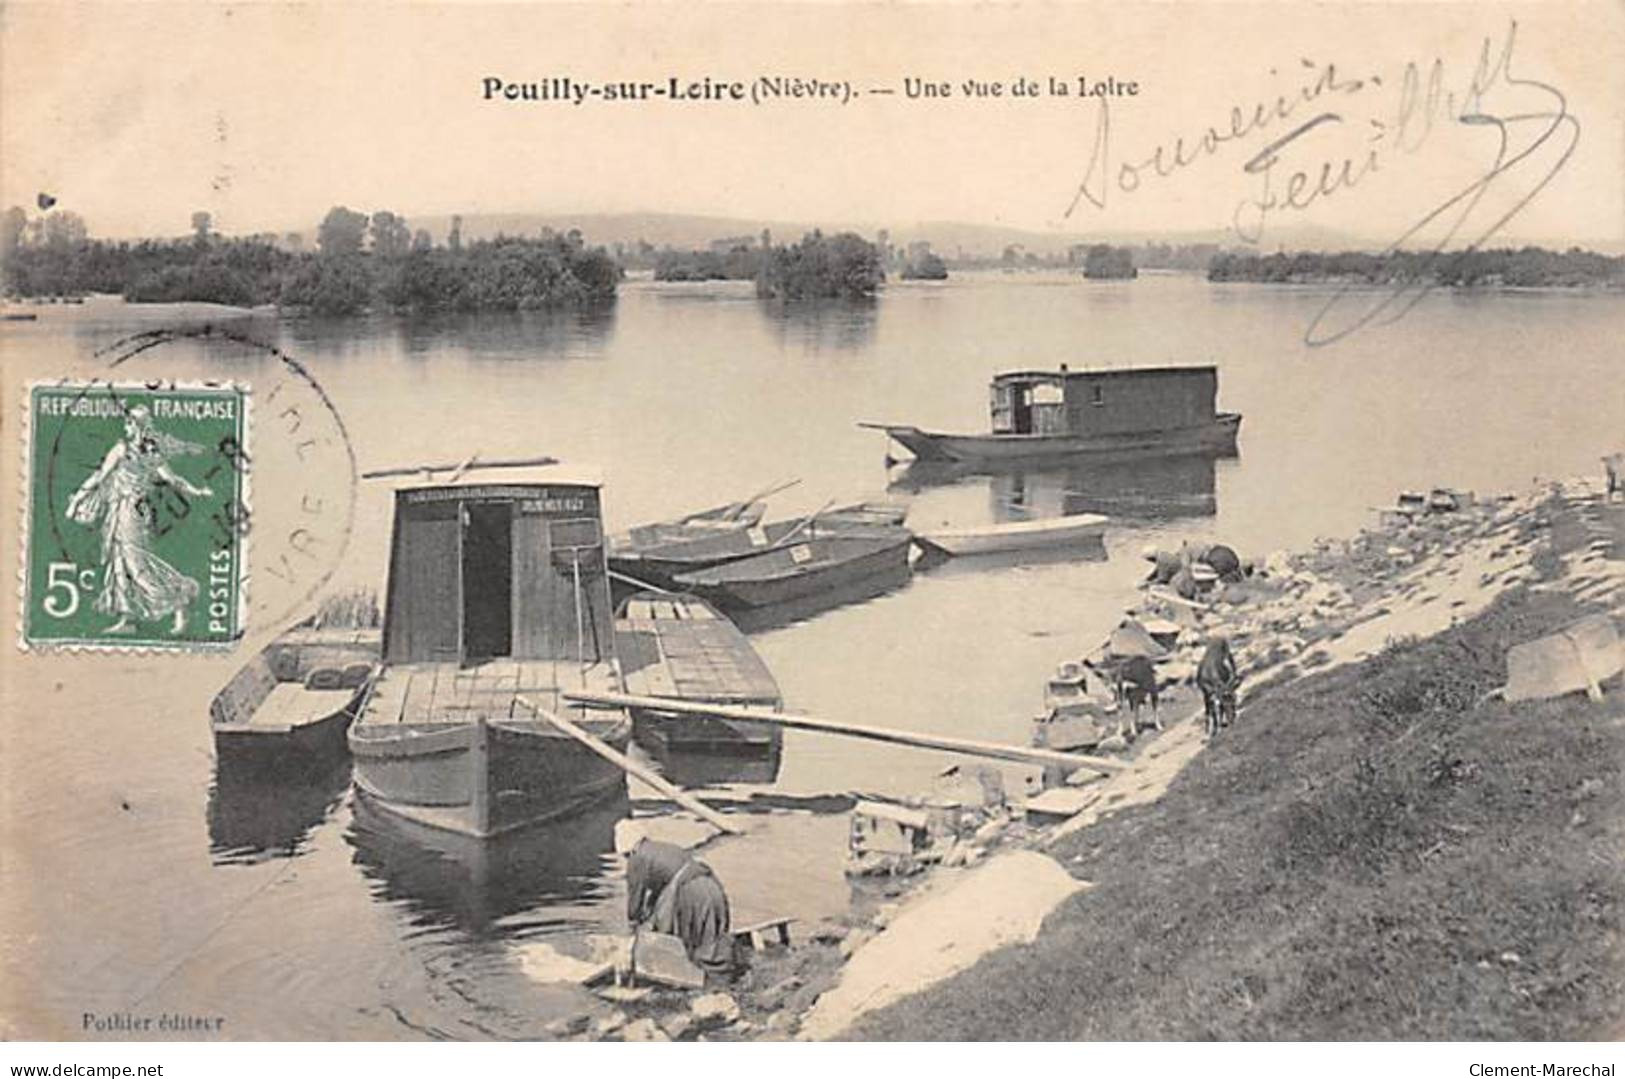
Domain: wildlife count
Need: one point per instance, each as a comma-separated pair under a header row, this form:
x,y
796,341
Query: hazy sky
x,y
266,115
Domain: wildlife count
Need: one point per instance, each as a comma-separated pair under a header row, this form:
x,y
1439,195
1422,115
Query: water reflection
x,y
822,325
1154,488
254,817
449,880
757,763
759,619
491,335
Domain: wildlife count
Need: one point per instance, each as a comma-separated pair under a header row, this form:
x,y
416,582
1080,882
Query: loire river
x,y
134,884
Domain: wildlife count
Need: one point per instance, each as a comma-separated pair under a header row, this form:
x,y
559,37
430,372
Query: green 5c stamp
x,y
137,515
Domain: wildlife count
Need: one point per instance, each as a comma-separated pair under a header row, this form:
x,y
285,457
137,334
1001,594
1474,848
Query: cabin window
x,y
1003,420
1097,395
487,561
573,532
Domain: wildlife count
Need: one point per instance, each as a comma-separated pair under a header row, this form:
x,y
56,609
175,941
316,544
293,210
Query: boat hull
x,y
743,584
667,732
1217,438
712,522
1019,536
287,709
304,749
487,777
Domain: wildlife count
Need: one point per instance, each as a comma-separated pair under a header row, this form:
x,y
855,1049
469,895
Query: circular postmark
x,y
203,485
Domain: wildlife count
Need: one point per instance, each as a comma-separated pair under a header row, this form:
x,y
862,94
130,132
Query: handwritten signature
x,y
1516,172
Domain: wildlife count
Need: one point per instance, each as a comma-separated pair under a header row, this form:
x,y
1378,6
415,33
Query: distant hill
x,y
950,239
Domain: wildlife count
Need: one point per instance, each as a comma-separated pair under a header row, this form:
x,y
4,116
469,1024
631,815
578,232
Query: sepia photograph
x,y
1016,522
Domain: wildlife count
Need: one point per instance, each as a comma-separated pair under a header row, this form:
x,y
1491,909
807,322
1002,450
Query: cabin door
x,y
1021,410
487,565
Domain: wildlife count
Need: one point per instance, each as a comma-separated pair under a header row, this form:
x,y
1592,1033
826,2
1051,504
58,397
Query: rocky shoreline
x,y
1411,576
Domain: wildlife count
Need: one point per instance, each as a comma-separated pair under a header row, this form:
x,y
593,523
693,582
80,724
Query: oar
x,y
627,578
805,521
758,496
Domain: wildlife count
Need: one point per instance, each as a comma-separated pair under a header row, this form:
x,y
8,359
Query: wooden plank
x,y
968,746
756,935
626,764
471,462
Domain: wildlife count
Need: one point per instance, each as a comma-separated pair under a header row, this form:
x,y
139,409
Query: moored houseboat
x,y
498,600
1127,412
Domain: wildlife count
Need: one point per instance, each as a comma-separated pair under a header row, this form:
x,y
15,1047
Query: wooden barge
x,y
679,646
498,590
1131,412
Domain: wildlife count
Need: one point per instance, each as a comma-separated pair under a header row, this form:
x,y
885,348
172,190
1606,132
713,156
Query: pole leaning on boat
x,y
969,746
609,753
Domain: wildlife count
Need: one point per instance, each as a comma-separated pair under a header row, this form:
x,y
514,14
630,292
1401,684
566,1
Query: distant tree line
x,y
844,266
927,267
1528,267
819,267
1159,256
1103,262
362,262
736,264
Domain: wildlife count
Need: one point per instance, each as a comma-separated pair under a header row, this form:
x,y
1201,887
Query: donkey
x,y
1135,682
1216,677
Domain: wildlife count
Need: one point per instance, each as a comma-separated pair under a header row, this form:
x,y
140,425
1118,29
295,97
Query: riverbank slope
x,y
1377,851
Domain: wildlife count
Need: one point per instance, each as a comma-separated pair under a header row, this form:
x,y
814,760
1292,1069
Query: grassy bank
x,y
1371,853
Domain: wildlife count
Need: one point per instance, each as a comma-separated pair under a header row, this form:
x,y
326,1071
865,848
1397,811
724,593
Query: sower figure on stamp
x,y
673,892
119,495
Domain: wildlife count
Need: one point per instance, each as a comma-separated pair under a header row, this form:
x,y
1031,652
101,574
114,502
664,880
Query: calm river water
x,y
135,884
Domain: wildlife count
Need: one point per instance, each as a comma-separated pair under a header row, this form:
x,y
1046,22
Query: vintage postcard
x,y
1034,522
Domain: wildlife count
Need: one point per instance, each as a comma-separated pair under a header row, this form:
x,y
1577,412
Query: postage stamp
x,y
137,515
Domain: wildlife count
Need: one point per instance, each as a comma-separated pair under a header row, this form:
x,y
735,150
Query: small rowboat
x,y
723,519
288,708
679,646
865,513
733,517
1042,534
814,564
660,564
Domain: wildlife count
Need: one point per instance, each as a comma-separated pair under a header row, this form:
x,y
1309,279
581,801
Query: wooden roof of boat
x,y
1063,373
679,646
510,477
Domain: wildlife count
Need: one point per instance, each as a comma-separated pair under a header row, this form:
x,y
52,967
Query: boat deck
x,y
363,639
290,704
450,693
686,650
